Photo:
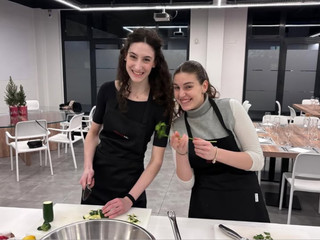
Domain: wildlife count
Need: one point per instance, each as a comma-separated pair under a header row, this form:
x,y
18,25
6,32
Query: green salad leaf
x,y
161,129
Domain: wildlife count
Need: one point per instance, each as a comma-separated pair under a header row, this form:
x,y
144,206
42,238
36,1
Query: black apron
x,y
221,191
119,158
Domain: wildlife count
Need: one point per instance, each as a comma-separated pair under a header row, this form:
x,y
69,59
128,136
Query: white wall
x,y
217,41
30,47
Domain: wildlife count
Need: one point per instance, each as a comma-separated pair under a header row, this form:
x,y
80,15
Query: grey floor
x,y
37,185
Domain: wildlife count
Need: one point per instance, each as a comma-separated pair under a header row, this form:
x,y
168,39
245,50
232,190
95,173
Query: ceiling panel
x,y
52,4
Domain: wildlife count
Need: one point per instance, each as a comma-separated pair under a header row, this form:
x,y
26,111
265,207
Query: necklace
x,y
139,96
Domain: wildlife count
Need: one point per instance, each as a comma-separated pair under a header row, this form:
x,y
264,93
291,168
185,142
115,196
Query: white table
x,y
23,221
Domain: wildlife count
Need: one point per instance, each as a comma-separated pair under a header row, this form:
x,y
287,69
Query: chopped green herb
x,y
94,214
264,236
133,218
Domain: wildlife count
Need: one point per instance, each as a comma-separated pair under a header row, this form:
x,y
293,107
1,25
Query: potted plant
x,y
22,108
11,99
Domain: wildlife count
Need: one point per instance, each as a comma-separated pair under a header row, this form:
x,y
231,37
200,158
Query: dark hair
x,y
195,67
159,77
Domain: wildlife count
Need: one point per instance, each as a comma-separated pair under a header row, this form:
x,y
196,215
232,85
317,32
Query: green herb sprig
x,y
161,129
133,218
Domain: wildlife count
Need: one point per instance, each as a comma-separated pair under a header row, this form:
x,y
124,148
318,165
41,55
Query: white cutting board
x,y
69,213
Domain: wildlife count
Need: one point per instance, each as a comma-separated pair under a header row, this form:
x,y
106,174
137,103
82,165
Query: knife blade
x,y
231,233
86,192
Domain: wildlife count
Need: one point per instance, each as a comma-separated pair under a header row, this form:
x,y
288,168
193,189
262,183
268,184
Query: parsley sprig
x,y
161,129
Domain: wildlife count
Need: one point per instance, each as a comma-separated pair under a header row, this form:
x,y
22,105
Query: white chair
x,y
24,131
293,113
246,105
306,101
279,107
283,119
245,102
87,119
33,104
304,177
299,120
66,136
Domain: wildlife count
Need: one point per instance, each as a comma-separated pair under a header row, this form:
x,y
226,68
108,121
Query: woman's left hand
x,y
203,148
116,207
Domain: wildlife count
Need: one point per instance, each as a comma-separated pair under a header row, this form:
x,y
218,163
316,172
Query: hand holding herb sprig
x,y
161,129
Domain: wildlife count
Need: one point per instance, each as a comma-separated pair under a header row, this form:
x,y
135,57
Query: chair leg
x,y
58,150
281,191
11,158
17,166
66,148
290,205
45,158
40,155
50,162
73,155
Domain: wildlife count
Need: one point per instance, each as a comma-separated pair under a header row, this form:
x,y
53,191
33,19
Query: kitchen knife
x,y
231,233
86,192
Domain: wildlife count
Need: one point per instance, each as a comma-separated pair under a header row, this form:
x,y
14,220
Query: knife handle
x,y
230,232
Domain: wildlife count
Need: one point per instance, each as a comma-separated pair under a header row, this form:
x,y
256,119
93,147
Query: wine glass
x,y
288,133
306,127
275,126
267,118
313,129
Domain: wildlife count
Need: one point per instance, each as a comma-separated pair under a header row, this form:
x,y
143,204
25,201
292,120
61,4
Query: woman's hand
x,y
180,144
87,178
116,207
204,149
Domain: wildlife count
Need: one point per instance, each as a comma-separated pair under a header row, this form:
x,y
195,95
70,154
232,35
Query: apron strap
x,y
217,111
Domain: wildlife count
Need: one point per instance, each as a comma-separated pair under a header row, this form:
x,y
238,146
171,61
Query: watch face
x,y
86,192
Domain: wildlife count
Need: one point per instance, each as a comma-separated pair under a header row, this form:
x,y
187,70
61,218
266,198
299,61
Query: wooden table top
x,y
278,147
308,109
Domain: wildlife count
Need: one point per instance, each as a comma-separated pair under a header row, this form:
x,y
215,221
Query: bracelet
x,y
182,153
131,198
215,156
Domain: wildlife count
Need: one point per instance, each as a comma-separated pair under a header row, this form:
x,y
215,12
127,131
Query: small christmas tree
x,y
21,97
11,93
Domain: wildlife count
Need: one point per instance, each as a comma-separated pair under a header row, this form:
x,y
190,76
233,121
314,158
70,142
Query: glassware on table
x,y
313,130
306,128
275,126
288,133
276,123
282,135
267,118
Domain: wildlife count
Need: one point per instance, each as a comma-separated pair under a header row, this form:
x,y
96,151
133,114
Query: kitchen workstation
x,y
69,223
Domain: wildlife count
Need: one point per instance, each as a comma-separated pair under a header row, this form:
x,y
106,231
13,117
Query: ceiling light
x,y
214,4
130,28
162,17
